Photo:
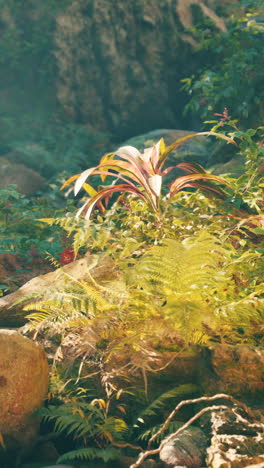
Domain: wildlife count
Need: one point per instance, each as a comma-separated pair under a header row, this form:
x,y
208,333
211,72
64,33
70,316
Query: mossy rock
x,y
201,149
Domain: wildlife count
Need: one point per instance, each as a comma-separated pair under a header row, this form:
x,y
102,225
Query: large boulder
x,y
201,149
27,180
11,306
23,387
119,63
238,370
234,168
187,449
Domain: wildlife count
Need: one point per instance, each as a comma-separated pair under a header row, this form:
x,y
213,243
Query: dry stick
x,y
127,444
144,455
198,400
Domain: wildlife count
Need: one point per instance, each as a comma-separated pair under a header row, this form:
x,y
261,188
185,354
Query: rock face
x,y
235,167
188,449
239,370
116,65
235,443
23,386
27,180
119,63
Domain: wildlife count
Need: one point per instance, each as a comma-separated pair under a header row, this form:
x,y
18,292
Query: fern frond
x,y
147,434
115,426
53,261
91,453
178,393
74,419
243,318
180,266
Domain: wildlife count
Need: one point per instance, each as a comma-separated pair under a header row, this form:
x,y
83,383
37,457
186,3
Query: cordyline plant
x,y
142,174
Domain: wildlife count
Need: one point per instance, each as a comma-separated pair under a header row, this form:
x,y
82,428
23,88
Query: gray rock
x,y
195,149
122,81
187,449
234,168
27,180
240,445
13,313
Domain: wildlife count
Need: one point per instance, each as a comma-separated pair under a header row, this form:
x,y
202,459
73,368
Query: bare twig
x,y
127,444
197,400
143,455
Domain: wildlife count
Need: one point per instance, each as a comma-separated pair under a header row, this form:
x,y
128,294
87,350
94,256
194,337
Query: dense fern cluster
x,y
176,294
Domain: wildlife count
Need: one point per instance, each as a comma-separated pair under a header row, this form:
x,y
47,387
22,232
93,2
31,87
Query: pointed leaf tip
x,y
81,179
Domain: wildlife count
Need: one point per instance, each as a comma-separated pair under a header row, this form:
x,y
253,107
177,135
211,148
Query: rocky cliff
x,y
111,64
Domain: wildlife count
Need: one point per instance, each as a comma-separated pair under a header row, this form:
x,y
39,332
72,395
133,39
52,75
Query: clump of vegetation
x,y
143,175
175,265
20,231
178,271
231,61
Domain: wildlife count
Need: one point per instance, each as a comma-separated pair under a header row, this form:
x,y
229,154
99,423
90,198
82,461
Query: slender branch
x,y
127,444
143,455
197,400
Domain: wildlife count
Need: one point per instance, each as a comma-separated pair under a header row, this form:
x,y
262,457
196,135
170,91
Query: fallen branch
x,y
144,455
198,400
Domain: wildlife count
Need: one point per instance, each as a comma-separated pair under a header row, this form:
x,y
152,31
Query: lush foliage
x,y
173,264
192,275
20,232
143,174
232,71
25,242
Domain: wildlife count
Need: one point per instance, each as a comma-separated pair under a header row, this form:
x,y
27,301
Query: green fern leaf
x,y
172,427
178,393
182,266
91,453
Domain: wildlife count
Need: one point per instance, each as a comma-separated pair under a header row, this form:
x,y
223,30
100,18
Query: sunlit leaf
x,y
128,151
189,180
81,179
180,141
69,181
89,189
155,183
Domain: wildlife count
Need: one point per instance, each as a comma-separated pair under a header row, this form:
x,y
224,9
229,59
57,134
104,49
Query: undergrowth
x,y
158,285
